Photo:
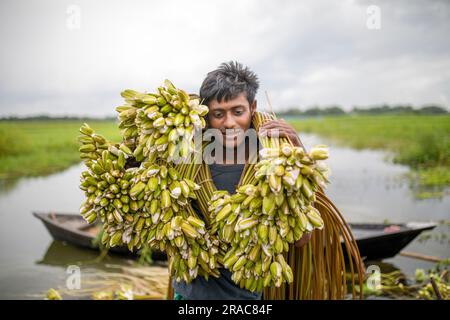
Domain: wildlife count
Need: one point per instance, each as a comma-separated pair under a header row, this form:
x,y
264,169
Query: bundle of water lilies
x,y
251,232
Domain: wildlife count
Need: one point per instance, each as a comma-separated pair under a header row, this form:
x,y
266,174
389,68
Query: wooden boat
x,y
375,241
73,229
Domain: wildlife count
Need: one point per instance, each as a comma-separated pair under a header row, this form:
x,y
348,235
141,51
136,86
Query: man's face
x,y
232,118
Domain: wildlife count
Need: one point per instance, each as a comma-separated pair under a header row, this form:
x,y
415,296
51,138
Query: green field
x,y
421,142
34,148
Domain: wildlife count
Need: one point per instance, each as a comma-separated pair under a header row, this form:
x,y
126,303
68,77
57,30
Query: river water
x,y
364,186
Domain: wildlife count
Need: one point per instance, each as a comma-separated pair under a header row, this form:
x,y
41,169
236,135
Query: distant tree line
x,y
375,110
59,118
293,111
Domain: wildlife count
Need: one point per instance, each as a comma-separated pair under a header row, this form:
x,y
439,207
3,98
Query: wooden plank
x,y
419,256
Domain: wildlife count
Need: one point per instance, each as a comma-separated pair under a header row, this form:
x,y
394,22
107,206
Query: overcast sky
x,y
304,52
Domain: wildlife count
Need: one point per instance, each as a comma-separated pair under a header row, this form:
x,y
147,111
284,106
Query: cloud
x,y
305,53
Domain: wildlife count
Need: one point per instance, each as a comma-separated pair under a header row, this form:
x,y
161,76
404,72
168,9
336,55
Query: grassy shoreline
x,y
420,142
35,148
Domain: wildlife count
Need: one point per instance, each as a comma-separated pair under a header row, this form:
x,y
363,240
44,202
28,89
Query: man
x,y
229,92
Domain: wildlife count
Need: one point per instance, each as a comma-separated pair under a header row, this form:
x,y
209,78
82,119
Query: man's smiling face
x,y
233,118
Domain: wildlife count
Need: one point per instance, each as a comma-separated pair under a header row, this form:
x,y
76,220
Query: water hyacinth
x,y
251,232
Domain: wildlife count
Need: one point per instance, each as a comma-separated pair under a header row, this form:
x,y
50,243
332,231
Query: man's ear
x,y
253,108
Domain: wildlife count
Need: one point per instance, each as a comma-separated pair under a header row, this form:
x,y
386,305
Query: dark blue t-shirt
x,y
225,177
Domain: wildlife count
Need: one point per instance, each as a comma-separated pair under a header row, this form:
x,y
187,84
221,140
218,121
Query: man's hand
x,y
284,130
303,240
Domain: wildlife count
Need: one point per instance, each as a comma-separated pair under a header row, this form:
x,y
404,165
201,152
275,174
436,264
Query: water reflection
x,y
61,254
7,185
364,187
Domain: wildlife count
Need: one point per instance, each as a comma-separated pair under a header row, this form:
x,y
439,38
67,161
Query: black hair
x,y
228,81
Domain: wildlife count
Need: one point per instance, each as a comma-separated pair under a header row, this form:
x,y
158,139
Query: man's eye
x,y
218,114
238,112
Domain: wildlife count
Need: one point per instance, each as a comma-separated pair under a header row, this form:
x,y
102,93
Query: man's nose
x,y
229,123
